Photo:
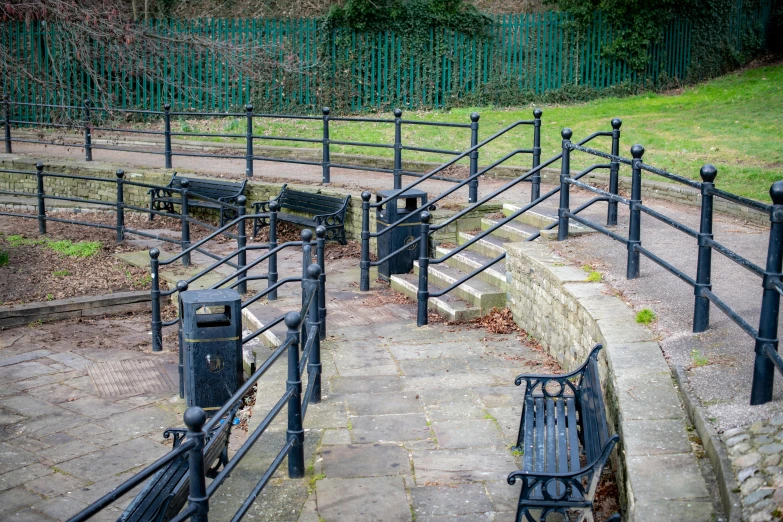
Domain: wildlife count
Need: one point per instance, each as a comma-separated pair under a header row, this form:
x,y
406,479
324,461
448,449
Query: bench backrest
x,y
211,188
592,411
310,202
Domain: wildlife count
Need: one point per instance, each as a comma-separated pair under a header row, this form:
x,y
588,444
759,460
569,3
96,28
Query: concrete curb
x,y
713,447
86,306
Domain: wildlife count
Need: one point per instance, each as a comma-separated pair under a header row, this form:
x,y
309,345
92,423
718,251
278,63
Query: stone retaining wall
x,y
658,474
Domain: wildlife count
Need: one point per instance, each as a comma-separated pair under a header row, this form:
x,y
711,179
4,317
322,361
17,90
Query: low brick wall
x,y
553,302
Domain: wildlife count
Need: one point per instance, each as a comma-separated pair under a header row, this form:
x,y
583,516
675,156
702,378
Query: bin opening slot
x,y
206,316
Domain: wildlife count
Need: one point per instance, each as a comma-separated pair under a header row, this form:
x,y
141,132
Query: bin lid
x,y
209,296
410,193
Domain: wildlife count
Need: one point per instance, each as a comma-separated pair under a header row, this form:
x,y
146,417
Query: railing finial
x,y
307,235
326,111
566,133
154,253
120,173
398,113
249,107
320,231
776,192
617,123
167,106
637,151
425,217
537,113
708,173
293,320
313,271
195,418
241,201
39,166
366,195
182,286
474,117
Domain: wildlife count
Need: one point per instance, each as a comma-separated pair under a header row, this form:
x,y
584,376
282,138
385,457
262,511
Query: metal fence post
x,y
535,181
41,198
307,260
614,173
325,161
157,324
423,294
272,272
185,218
295,431
635,223
320,245
364,263
473,184
397,149
241,244
195,418
767,340
701,308
565,187
7,124
249,141
313,319
120,206
87,131
167,133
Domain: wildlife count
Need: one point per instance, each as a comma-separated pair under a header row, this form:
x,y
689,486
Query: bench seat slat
x,y
191,202
573,439
562,438
551,441
529,429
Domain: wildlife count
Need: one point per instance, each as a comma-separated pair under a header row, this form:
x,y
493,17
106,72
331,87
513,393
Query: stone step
x,y
449,306
514,231
468,261
541,217
474,291
490,246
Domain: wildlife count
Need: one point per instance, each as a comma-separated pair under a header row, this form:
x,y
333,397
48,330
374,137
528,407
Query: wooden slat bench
x,y
167,491
329,211
565,441
224,191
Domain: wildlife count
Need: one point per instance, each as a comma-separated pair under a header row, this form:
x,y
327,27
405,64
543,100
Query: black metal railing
x,y
303,328
83,118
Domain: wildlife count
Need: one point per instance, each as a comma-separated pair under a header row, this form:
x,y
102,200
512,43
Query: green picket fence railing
x,y
347,70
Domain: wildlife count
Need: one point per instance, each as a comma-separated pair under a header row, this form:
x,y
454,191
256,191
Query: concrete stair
x,y
475,292
449,306
541,217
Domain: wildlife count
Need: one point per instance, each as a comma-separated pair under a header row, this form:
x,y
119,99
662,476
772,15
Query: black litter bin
x,y
404,205
211,323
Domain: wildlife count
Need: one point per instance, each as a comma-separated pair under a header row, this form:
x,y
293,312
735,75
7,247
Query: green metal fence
x,y
350,71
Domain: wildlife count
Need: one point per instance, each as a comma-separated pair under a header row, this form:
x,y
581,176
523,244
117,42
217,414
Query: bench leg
x,y
152,200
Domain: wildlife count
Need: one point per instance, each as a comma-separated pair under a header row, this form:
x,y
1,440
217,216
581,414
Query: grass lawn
x,y
733,122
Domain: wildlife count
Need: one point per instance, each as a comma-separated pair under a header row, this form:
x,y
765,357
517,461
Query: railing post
x,y
167,133
249,141
423,294
313,319
473,184
185,218
195,418
157,324
272,272
701,309
535,186
7,124
635,222
120,206
763,368
307,260
614,173
325,161
364,263
565,187
397,149
241,244
295,431
320,245
41,199
87,131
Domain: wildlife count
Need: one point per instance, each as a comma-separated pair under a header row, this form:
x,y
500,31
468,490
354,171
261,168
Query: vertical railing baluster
x,y
7,124
397,149
307,260
87,130
565,187
167,134
242,244
249,140
195,418
295,431
120,205
325,159
272,272
320,244
423,294
313,319
474,155
364,263
701,309
635,221
185,219
614,173
39,175
767,340
535,186
157,324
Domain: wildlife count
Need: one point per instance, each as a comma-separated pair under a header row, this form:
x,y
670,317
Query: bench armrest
x,y
339,215
533,380
159,193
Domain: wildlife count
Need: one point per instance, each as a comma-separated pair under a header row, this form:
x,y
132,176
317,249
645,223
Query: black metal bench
x,y
164,199
565,439
329,211
167,491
